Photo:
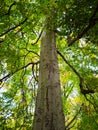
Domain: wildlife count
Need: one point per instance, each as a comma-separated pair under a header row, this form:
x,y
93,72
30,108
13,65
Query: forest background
x,y
22,23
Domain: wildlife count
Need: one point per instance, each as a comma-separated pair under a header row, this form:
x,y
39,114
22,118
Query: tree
x,y
68,33
49,111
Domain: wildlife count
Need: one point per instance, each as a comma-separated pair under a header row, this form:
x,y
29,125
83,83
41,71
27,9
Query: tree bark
x,y
49,111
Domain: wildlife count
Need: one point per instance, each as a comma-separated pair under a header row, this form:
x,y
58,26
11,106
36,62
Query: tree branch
x,y
38,38
92,22
31,51
69,124
12,73
10,29
83,91
8,13
69,64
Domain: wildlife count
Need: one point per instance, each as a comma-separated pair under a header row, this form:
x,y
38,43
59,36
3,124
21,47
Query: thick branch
x,y
83,91
13,27
12,73
82,33
92,22
69,65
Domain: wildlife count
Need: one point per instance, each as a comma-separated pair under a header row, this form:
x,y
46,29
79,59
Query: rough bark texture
x,y
49,112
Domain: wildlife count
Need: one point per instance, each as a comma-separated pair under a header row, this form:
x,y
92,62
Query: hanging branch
x,y
83,91
92,22
12,73
10,29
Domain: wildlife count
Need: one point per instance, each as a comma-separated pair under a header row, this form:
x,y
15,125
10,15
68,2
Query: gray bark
x,y
49,112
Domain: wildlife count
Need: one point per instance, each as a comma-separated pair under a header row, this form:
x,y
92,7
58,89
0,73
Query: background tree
x,y
75,27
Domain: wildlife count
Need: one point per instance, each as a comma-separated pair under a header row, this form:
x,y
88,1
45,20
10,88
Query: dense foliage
x,y
21,26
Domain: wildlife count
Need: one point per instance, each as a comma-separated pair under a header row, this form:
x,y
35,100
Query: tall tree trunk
x,y
49,112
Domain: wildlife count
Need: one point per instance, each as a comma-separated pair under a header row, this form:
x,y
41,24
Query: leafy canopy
x,y
21,26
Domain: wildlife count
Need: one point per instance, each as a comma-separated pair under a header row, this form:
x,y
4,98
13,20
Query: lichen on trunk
x,y
49,112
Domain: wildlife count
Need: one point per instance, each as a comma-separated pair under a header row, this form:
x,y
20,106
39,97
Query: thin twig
x,y
38,38
73,119
9,10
